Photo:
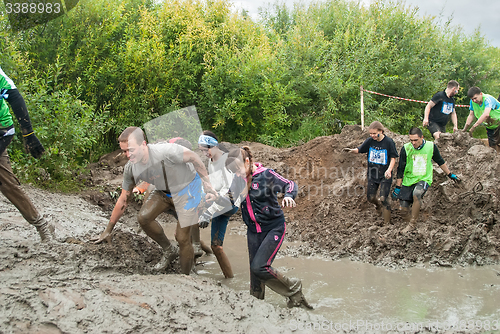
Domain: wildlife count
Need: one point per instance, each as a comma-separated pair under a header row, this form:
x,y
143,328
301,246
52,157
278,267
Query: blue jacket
x,y
260,208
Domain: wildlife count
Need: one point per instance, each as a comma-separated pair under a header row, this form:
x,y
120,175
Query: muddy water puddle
x,y
344,291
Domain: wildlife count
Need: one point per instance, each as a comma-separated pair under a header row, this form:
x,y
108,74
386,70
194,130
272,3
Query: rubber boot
x,y
224,264
386,213
259,292
291,288
46,231
169,255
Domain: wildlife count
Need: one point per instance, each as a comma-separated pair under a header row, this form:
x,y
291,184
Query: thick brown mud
x,y
75,286
458,224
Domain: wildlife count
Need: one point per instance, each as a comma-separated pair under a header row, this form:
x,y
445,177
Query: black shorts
x,y
385,188
406,193
493,136
434,127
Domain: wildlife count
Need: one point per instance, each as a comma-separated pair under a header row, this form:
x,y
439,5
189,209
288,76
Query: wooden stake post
x,y
362,108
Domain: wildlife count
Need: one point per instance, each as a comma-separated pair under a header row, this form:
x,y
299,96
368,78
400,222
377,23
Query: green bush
x,y
290,77
67,127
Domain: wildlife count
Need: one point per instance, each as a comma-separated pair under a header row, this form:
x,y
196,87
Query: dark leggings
x,y
385,188
262,249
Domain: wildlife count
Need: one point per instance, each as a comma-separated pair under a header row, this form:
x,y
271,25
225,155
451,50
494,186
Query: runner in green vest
x,y
487,111
9,184
415,174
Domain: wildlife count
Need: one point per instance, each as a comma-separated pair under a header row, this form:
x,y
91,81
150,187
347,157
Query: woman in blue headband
x,y
221,179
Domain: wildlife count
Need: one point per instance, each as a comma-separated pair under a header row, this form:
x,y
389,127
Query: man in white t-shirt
x,y
178,175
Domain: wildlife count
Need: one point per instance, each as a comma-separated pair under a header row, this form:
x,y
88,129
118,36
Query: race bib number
x,y
378,157
447,108
419,164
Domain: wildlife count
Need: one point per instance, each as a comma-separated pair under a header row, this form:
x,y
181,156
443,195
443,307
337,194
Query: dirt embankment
x,y
78,287
458,224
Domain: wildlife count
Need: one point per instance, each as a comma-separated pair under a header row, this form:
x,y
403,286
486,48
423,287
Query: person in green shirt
x,y
9,184
487,111
414,175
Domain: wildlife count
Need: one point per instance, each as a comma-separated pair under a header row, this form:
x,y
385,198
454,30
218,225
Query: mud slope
x,y
458,223
75,286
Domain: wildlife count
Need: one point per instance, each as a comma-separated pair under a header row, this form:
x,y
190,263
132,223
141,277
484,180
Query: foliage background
x,y
284,80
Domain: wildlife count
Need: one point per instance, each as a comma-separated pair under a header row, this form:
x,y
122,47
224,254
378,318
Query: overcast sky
x,y
470,14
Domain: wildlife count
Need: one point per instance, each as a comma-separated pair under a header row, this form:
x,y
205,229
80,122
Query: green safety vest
x,y
494,113
5,116
5,81
418,164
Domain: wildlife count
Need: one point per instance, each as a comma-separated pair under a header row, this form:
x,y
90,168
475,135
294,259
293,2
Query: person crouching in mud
x,y
167,167
254,188
382,156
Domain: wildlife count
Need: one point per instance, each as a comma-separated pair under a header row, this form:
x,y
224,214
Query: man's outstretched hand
x,y
105,236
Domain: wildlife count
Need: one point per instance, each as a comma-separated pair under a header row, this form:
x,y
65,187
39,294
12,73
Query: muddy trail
x,y
75,286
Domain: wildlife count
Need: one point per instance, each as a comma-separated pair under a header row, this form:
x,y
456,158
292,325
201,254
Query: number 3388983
x,y
33,8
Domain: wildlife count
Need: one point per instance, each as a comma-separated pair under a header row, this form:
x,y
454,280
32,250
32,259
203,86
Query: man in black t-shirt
x,y
440,109
382,156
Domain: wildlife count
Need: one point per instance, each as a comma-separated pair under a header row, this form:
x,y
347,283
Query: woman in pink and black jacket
x,y
254,189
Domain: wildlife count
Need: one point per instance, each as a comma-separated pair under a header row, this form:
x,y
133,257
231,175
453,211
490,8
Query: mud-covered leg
x,y
371,195
153,205
186,252
264,248
289,287
223,260
11,189
195,238
218,232
385,189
